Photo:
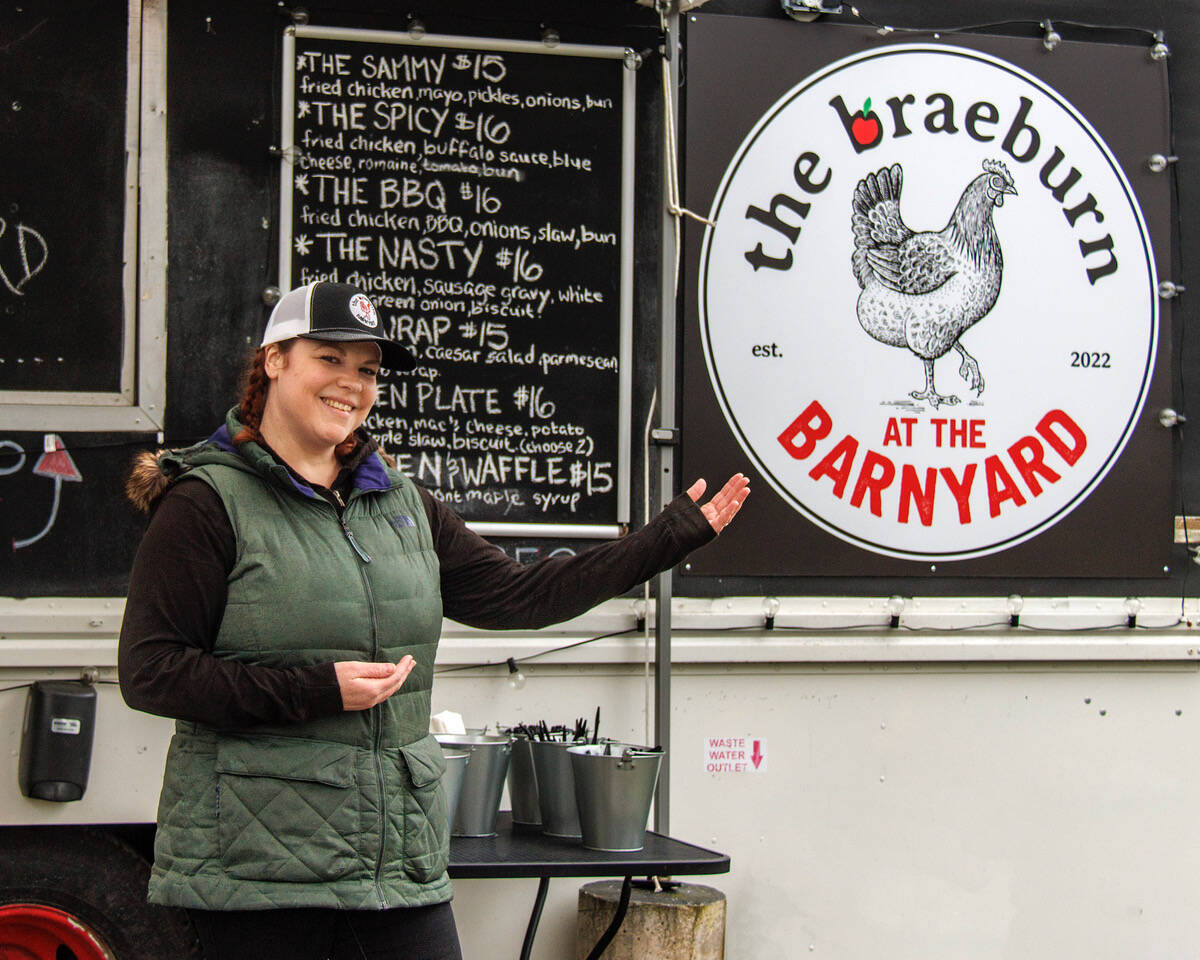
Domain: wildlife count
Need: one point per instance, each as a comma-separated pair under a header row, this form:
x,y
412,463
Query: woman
x,y
285,607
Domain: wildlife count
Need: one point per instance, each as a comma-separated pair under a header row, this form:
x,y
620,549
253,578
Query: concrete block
x,y
686,923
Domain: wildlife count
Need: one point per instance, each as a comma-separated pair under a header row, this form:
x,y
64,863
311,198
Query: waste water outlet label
x,y
737,754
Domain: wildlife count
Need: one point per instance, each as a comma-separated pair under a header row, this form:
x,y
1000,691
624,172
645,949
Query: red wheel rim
x,y
33,931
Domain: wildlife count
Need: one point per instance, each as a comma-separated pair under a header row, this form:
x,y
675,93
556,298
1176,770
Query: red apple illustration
x,y
866,128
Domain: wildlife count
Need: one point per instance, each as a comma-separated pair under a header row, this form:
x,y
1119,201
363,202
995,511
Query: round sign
x,y
928,304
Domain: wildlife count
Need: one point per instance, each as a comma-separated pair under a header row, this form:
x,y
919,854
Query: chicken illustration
x,y
924,290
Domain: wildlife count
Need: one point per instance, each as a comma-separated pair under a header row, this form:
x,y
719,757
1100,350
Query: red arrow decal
x,y
757,755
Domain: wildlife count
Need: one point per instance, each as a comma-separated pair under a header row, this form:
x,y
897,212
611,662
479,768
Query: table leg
x,y
535,917
618,918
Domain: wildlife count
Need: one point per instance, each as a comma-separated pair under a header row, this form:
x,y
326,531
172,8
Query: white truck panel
x,y
944,789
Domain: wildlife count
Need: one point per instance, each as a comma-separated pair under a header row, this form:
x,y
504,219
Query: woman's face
x,y
321,390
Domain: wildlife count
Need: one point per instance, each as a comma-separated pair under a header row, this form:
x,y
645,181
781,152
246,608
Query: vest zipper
x,y
382,804
376,724
377,744
362,554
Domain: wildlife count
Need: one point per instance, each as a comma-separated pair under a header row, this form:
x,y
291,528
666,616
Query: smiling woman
x,y
286,605
321,393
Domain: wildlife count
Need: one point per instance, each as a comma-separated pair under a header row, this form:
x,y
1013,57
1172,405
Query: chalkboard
x,y
481,192
63,196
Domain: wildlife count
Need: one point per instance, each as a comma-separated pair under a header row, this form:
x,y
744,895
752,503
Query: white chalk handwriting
x,y
32,251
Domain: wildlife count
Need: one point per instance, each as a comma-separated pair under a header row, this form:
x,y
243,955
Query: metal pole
x,y
666,453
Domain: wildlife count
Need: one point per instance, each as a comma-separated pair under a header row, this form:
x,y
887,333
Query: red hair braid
x,y
255,384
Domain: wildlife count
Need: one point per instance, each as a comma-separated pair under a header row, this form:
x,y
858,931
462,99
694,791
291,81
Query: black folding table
x,y
526,853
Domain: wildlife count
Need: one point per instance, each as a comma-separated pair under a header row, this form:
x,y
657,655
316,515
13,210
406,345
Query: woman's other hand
x,y
365,684
724,506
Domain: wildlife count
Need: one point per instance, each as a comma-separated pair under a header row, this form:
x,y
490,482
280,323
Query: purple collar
x,y
370,475
222,440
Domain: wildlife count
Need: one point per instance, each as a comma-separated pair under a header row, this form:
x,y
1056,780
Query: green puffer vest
x,y
345,811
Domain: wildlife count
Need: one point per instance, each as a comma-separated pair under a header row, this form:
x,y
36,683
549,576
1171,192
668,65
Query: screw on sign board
x,y
927,308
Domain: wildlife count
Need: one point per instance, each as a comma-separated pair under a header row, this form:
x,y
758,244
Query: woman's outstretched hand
x,y
724,506
365,684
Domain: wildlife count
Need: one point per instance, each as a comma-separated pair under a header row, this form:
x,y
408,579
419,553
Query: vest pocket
x,y
287,809
426,826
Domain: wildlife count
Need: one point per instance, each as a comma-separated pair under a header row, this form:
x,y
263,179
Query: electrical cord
x,y
994,24
24,686
1177,316
780,628
844,628
532,656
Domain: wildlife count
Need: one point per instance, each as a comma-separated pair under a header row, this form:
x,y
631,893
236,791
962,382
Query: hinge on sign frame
x,y
664,436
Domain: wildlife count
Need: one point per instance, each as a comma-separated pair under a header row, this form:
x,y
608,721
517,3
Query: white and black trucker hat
x,y
334,311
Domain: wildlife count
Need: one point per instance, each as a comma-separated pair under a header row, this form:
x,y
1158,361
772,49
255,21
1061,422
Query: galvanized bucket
x,y
483,781
556,789
522,784
452,781
614,786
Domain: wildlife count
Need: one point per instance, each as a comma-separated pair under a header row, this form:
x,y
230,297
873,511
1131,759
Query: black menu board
x,y
479,191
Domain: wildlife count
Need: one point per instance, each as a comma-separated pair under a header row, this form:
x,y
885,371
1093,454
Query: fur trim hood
x,y
151,474
146,480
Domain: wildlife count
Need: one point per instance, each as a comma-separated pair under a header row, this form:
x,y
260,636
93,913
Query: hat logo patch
x,y
363,310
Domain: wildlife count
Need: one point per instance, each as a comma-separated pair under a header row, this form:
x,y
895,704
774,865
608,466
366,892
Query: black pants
x,y
406,933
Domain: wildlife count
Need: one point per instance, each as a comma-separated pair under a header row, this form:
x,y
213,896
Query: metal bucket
x,y
456,769
556,789
482,784
522,785
614,793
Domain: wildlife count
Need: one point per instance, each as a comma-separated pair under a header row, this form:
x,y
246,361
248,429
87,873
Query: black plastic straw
x,y
596,727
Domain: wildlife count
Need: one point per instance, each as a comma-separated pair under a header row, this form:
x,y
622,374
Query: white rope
x,y
673,205
646,584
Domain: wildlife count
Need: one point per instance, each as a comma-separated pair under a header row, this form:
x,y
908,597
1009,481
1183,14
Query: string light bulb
x,y
895,607
516,679
770,607
1133,606
1015,605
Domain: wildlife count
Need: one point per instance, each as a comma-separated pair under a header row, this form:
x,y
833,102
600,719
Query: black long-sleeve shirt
x,y
178,589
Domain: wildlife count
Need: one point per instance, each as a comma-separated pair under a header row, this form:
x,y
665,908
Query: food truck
x,y
920,272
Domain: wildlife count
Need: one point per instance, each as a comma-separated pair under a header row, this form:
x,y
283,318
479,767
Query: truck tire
x,y
79,893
